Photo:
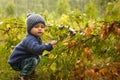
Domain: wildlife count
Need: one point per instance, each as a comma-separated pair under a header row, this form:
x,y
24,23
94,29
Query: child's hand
x,y
53,42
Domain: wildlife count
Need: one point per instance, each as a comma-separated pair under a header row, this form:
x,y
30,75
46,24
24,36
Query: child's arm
x,y
34,47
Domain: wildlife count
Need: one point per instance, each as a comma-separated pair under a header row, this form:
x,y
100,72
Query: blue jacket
x,y
30,46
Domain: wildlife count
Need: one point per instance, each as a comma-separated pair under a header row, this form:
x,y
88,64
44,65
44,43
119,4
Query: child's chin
x,y
40,34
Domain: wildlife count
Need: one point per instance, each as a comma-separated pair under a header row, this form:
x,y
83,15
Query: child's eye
x,y
37,26
42,26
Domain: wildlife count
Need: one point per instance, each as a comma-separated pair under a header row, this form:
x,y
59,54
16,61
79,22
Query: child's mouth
x,y
39,32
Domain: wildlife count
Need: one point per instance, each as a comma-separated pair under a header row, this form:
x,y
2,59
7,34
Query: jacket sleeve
x,y
34,47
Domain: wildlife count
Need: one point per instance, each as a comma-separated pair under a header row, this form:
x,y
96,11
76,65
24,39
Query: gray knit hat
x,y
32,20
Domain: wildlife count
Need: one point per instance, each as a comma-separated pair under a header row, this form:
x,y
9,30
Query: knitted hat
x,y
32,20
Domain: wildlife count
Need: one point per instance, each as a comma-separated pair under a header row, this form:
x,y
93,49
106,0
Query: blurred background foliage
x,y
21,7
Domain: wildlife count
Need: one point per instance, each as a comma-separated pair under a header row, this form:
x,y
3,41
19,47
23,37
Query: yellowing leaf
x,y
64,19
103,71
8,25
87,53
53,67
51,56
88,31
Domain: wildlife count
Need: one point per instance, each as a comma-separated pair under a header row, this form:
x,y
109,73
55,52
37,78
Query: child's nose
x,y
39,28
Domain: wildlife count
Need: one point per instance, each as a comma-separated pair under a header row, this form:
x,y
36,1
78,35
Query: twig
x,y
69,28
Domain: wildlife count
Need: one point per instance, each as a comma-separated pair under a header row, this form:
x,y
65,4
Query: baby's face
x,y
38,29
